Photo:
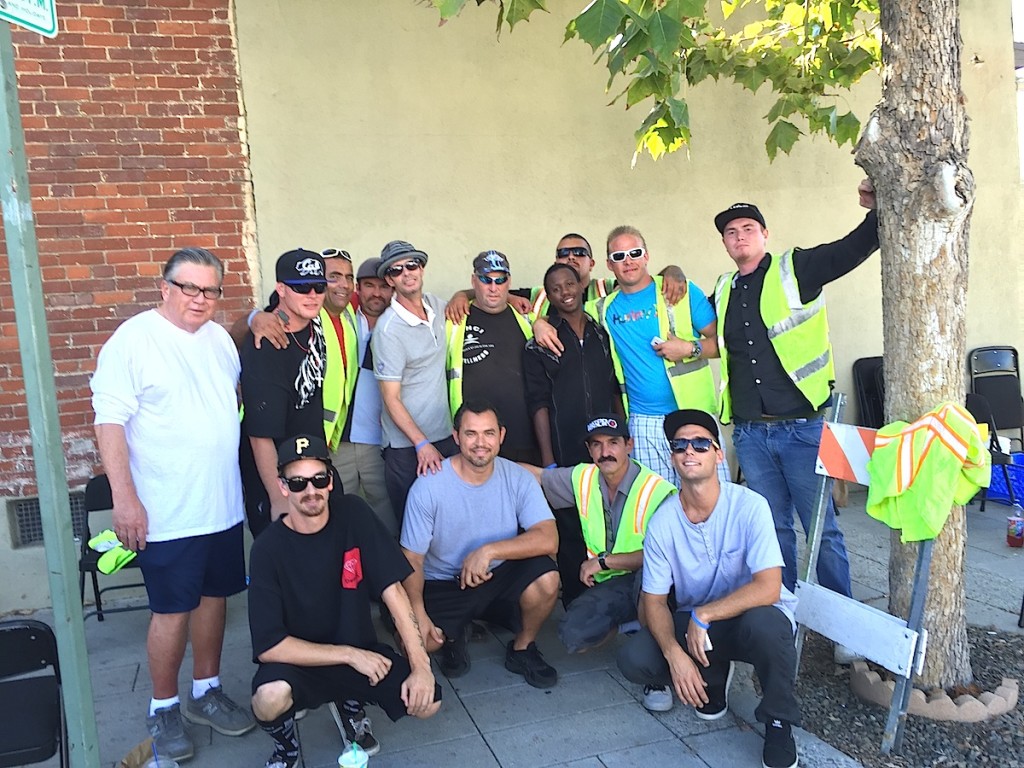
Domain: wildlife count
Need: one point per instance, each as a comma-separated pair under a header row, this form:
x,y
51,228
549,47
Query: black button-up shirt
x,y
758,384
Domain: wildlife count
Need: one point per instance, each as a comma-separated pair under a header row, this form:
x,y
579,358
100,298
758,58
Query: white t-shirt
x,y
174,394
706,561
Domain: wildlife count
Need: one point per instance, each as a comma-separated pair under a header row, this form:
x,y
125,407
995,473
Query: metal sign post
x,y
44,423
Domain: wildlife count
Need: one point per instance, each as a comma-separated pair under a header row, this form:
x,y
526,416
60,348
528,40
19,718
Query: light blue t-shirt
x,y
706,561
632,323
446,518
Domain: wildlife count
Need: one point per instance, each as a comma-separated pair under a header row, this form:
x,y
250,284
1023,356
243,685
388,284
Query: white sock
x,y
200,687
155,704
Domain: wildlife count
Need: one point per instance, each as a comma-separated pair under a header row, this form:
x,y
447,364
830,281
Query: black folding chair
x,y
34,728
98,499
869,384
995,374
980,409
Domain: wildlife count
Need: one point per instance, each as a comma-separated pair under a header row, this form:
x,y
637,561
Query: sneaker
x,y
531,665
281,761
216,710
168,732
718,699
844,656
779,746
657,698
454,661
358,729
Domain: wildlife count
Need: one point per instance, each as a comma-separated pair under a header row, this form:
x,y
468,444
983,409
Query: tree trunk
x,y
914,149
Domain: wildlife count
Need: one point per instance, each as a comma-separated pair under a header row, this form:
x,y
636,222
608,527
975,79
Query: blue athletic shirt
x,y
632,323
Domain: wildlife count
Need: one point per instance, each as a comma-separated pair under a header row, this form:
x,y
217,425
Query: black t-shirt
x,y
318,587
270,401
492,360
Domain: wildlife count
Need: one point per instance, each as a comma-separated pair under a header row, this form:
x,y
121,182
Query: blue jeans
x,y
777,459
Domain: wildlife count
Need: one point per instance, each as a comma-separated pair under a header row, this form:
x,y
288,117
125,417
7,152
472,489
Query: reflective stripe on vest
x,y
456,336
644,497
798,332
693,384
339,379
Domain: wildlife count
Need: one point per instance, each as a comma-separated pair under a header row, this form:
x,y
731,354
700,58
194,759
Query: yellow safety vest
x,y
456,338
596,289
692,382
644,497
339,378
798,333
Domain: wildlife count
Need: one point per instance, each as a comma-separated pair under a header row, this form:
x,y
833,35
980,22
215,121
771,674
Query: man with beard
x,y
282,389
480,539
314,573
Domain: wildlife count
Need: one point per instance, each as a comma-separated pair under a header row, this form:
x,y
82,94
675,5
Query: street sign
x,y
38,15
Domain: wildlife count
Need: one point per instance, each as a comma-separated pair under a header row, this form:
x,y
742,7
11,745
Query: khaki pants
x,y
361,468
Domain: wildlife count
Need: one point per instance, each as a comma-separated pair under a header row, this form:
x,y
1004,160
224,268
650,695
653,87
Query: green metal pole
x,y
44,423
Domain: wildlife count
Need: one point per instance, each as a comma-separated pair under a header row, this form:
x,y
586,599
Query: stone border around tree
x,y
869,686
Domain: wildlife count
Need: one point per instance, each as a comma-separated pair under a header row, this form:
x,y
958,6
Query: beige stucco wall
x,y
367,123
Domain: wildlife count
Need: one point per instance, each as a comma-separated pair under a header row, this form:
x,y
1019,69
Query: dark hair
x,y
577,236
478,407
560,265
199,256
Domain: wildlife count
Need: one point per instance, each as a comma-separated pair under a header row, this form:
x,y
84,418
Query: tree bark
x,y
914,149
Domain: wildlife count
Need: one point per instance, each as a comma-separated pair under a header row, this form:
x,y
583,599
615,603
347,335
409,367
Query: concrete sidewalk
x,y
592,718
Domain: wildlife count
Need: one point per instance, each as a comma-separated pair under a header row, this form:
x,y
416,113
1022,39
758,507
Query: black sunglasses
x,y
565,253
700,444
336,253
297,484
305,288
396,269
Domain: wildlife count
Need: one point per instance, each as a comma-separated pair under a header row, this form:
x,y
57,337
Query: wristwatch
x,y
697,351
600,559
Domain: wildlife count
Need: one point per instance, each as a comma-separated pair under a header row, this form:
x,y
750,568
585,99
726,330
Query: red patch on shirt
x,y
352,570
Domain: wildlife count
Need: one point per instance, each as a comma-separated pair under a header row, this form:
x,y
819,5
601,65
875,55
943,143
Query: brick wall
x,y
131,121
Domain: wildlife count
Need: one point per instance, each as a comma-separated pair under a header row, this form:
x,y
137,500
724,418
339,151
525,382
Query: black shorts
x,y
496,600
313,686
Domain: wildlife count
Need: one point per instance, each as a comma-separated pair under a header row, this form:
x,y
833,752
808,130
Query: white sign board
x,y
38,15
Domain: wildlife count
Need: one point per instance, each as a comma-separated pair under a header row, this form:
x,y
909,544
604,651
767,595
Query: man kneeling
x,y
313,574
714,546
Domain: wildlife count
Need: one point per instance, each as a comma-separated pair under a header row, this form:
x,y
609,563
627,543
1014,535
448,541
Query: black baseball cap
x,y
302,447
300,266
687,416
738,211
608,424
491,261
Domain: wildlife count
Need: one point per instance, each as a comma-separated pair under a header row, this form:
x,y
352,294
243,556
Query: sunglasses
x,y
699,444
487,280
397,269
336,253
633,253
565,253
305,288
298,484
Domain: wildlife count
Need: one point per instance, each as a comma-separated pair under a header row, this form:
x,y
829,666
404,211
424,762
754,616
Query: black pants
x,y
400,472
762,636
571,553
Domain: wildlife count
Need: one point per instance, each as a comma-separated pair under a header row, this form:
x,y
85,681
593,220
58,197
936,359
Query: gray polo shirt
x,y
706,561
557,486
412,351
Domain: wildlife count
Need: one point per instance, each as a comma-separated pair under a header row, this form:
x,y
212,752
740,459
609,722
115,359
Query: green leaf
x,y
679,111
690,9
520,10
847,129
783,136
599,22
751,77
664,32
641,88
448,8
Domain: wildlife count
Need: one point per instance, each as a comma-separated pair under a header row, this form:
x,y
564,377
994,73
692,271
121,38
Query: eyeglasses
x,y
305,288
565,253
336,253
633,253
699,444
192,291
298,484
487,279
396,269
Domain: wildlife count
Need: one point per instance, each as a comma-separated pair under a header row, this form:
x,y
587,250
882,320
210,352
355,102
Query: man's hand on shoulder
x,y
520,304
673,284
457,307
269,326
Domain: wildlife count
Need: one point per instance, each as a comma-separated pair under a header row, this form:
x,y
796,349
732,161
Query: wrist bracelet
x,y
251,316
698,622
421,443
550,466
